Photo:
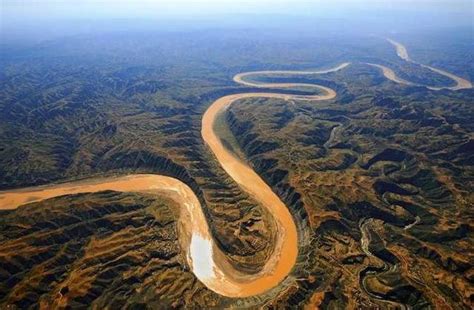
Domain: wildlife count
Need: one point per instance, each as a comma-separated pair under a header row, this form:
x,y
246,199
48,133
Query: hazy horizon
x,y
32,20
153,8
456,11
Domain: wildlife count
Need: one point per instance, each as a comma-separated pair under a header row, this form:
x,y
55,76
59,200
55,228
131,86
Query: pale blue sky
x,y
38,18
157,8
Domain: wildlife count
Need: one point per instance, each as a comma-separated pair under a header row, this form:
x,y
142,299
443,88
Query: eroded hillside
x,y
386,182
379,180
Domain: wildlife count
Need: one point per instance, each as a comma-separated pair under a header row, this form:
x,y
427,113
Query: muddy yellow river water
x,y
206,260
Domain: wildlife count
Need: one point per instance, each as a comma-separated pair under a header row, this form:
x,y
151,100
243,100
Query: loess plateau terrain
x,y
378,179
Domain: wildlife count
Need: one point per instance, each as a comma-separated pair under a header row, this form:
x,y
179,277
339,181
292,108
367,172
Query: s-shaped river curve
x,y
402,52
206,260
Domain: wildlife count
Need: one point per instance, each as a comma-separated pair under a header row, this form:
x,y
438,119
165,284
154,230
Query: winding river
x,y
402,52
206,260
